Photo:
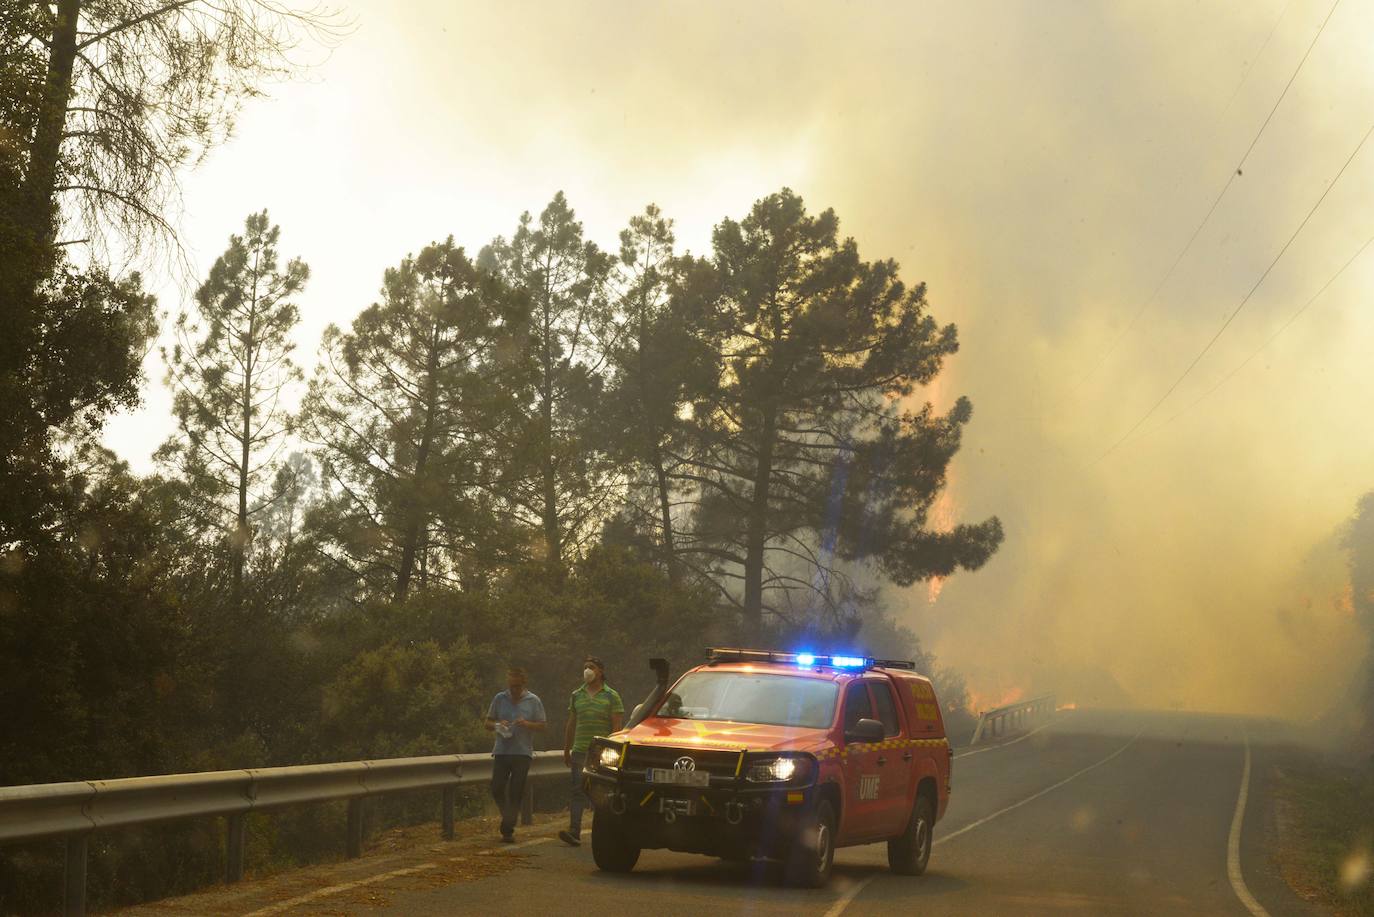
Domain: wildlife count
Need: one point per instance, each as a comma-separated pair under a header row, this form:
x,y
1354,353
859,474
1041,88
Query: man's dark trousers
x,y
508,773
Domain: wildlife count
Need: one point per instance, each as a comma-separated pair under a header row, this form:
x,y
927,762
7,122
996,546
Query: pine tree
x,y
562,277
228,371
411,408
657,364
808,456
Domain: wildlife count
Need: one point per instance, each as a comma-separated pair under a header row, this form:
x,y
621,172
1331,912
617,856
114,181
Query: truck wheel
x,y
613,848
908,854
813,854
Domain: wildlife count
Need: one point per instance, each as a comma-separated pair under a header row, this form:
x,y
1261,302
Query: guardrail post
x,y
355,828
234,838
446,811
527,805
74,876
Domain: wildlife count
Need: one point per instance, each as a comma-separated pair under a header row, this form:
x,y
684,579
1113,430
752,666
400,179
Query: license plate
x,y
678,778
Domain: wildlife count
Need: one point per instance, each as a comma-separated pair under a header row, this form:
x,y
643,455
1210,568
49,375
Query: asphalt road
x,y
1097,813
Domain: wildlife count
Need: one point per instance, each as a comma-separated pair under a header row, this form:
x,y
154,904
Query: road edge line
x,y
847,898
1233,871
979,751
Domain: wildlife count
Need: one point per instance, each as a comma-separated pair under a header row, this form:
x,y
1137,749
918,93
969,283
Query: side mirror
x,y
866,730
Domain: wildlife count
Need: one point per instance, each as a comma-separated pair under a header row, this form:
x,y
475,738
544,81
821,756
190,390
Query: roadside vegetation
x,y
1327,847
1328,853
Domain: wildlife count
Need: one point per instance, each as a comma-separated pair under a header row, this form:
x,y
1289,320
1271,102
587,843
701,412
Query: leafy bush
x,y
400,700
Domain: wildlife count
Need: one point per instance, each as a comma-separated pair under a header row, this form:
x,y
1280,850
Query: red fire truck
x,y
775,755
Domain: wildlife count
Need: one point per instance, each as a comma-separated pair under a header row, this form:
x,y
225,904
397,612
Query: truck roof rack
x,y
804,660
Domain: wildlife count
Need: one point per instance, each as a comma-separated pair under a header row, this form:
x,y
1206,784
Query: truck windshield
x,y
743,697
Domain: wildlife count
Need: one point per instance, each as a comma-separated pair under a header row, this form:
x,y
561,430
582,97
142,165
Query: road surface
x,y
1096,813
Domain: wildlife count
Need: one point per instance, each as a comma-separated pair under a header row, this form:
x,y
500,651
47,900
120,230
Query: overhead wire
x,y
1273,337
1235,173
1254,60
1244,301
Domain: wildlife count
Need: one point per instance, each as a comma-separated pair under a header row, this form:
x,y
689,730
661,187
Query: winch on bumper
x,y
748,804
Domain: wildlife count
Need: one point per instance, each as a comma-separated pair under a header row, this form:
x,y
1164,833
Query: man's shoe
x,y
508,838
572,840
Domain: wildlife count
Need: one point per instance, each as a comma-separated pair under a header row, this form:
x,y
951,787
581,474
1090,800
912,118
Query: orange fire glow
x,y
941,520
1345,602
978,701
941,516
1069,706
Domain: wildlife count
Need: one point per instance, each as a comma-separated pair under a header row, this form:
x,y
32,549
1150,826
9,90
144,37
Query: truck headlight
x,y
777,770
609,757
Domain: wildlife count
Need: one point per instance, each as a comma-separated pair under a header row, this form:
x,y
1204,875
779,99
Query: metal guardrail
x,y
73,810
999,720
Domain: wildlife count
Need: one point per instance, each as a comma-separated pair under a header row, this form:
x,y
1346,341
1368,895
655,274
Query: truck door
x,y
894,763
861,817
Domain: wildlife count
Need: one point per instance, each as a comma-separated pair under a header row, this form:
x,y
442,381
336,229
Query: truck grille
x,y
714,762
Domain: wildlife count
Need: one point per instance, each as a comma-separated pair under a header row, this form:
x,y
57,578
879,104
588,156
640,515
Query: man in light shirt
x,y
515,715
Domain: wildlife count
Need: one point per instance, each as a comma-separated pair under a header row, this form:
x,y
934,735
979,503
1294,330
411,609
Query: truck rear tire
x,y
813,854
613,849
908,854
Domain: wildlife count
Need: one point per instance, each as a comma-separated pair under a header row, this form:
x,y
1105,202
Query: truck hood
x,y
723,735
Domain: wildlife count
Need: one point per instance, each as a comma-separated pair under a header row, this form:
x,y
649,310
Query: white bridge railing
x,y
73,810
1013,717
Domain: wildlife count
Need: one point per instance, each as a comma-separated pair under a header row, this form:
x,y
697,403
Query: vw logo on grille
x,y
684,764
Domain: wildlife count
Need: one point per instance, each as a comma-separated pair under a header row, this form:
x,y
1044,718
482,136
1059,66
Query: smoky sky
x,y
1038,165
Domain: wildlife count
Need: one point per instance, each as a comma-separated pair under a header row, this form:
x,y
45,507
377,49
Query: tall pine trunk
x,y
553,536
239,547
656,455
413,520
757,532
40,183
666,514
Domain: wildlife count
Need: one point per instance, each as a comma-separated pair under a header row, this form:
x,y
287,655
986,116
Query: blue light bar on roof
x,y
801,660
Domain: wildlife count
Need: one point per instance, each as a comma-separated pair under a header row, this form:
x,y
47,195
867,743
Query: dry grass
x,y
429,862
1327,848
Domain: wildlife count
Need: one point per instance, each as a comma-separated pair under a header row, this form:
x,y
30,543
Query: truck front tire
x,y
813,854
908,854
613,849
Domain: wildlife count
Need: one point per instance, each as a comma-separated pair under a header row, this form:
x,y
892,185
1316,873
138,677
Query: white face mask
x,y
589,675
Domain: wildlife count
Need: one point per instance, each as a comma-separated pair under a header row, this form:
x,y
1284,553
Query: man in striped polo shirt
x,y
595,709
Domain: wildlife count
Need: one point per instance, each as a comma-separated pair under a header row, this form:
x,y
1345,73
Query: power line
x,y
1230,318
1282,328
1289,84
1254,60
1235,173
